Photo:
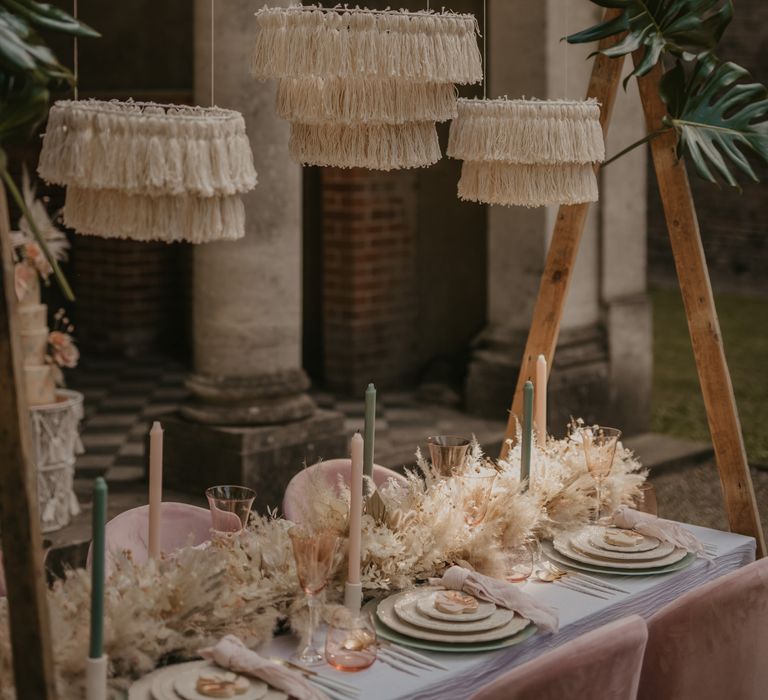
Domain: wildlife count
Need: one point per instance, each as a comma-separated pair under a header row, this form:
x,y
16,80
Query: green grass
x,y
678,408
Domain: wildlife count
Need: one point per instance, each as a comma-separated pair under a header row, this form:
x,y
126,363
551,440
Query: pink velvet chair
x,y
711,643
604,663
297,490
182,525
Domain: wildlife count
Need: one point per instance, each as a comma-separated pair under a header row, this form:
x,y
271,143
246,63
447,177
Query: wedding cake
x,y
33,325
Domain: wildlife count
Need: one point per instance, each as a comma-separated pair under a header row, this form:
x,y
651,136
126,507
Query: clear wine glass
x,y
314,553
599,450
230,507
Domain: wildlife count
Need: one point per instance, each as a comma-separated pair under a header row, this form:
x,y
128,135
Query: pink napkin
x,y
232,654
507,595
653,526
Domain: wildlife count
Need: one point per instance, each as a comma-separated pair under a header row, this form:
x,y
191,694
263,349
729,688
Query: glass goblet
x,y
519,561
230,507
475,489
599,450
448,453
313,553
350,643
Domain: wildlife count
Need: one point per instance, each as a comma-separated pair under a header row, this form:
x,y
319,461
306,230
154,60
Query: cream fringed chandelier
x,y
364,88
527,152
149,172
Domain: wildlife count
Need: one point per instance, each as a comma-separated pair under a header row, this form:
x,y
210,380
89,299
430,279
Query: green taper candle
x,y
97,568
525,448
370,429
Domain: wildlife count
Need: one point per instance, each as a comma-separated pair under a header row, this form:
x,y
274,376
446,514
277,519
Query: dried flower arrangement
x,y
243,585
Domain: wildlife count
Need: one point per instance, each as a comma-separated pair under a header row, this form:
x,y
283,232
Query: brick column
x,y
369,310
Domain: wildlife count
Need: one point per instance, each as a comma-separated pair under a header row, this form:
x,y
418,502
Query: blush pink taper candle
x,y
155,487
540,401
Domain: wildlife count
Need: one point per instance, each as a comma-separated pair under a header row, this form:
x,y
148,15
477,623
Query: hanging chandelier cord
x,y
565,51
485,49
75,62
213,54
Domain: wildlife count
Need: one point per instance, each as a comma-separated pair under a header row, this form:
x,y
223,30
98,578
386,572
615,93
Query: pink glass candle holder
x,y
350,644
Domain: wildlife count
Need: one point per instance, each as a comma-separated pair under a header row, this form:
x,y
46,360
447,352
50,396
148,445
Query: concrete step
x,y
658,451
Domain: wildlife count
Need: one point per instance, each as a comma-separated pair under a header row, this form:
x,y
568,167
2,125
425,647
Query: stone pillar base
x,y
578,385
263,458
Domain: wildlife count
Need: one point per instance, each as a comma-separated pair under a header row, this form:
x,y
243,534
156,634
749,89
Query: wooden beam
x,y
703,324
564,246
19,520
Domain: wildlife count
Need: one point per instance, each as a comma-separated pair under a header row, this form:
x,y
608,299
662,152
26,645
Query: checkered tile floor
x,y
123,397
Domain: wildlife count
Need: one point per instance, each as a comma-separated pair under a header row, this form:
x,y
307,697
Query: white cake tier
x,y
33,317
41,389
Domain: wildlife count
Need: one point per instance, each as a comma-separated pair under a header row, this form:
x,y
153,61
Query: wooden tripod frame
x,y
693,276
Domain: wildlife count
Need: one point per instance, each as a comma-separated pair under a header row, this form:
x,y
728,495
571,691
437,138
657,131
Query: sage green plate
x,y
447,647
555,556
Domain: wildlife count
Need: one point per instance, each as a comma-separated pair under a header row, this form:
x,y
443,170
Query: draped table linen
x,y
578,614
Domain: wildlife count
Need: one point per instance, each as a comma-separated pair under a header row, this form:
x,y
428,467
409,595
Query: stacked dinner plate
x,y
182,682
611,550
416,618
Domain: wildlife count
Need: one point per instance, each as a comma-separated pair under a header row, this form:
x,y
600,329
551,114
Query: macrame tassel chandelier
x,y
365,88
527,153
149,172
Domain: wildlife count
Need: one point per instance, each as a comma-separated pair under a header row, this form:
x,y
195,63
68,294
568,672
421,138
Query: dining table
x,y
578,613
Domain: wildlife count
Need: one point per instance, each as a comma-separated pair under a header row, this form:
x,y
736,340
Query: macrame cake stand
x,y
56,442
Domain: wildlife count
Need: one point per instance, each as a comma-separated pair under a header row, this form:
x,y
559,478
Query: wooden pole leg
x,y
703,325
19,520
564,246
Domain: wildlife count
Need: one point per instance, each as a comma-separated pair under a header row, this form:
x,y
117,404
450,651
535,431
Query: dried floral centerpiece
x,y
244,584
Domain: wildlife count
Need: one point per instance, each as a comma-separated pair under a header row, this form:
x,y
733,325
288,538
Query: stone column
x,y
527,58
249,419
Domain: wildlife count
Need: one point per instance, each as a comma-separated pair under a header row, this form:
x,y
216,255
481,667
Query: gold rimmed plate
x,y
582,542
385,632
559,558
563,546
597,539
407,609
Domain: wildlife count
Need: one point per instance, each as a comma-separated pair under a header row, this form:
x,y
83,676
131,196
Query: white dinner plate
x,y
646,544
563,546
406,608
185,682
559,558
386,613
582,542
426,605
158,685
385,632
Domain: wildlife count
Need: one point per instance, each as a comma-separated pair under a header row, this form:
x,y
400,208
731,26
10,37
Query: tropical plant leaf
x,y
688,29
717,118
47,16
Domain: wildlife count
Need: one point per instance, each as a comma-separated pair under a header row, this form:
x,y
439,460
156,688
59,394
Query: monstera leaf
x,y
687,29
717,119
